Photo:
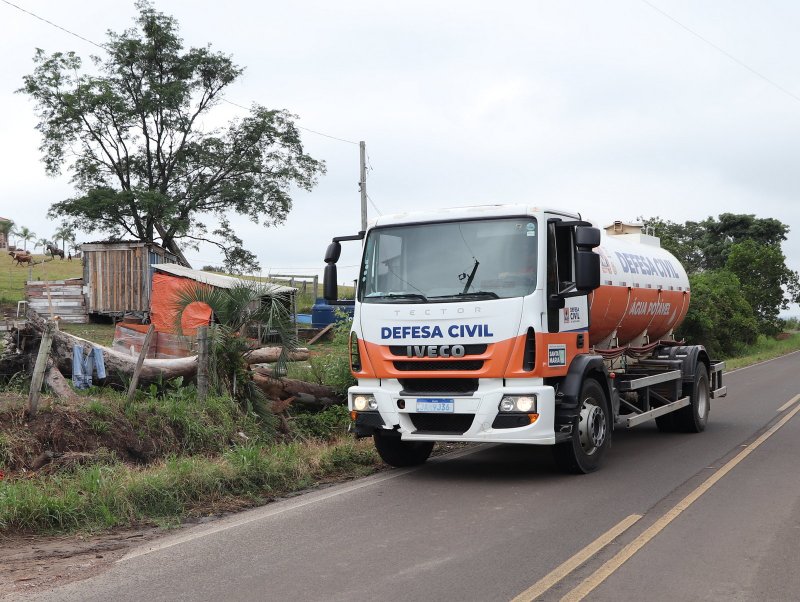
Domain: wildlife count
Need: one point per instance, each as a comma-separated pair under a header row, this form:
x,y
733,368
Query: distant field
x,y
13,277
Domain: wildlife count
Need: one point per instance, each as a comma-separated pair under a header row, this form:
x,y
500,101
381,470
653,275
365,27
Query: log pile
x,y
22,343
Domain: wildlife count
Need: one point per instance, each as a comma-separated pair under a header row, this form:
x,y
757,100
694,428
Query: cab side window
x,y
560,267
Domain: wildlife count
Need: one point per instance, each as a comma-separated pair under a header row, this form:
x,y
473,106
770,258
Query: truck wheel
x,y
590,435
693,418
399,453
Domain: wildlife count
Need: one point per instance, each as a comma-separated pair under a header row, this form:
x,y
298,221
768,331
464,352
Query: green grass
x,y
13,277
765,348
109,495
102,334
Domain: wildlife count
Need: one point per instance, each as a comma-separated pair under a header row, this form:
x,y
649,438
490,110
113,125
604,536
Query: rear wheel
x,y
693,418
590,436
398,453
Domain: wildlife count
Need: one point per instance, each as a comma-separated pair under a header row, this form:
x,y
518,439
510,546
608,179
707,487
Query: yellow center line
x,y
605,571
557,574
788,404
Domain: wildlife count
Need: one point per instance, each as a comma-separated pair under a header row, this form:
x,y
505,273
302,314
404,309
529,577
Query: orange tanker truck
x,y
518,324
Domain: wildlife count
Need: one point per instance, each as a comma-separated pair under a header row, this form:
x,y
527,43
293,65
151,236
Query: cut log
x,y
58,384
269,355
305,394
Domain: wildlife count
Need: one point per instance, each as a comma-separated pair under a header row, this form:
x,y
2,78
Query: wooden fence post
x,y
140,362
202,363
39,369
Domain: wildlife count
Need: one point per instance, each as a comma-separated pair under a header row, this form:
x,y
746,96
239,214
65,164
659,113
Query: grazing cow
x,y
21,258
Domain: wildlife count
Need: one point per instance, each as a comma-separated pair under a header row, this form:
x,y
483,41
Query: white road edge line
x,y
788,404
561,571
275,508
610,566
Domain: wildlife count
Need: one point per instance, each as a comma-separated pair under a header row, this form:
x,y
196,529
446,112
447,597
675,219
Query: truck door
x,y
574,316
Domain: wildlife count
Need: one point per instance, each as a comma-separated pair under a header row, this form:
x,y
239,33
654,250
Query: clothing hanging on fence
x,y
84,366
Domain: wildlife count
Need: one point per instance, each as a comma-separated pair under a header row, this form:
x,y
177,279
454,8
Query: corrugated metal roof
x,y
217,280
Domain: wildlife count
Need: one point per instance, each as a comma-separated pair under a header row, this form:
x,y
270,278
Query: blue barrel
x,y
323,313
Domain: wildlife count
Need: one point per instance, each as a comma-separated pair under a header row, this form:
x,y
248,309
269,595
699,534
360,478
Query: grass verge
x,y
765,348
102,496
13,277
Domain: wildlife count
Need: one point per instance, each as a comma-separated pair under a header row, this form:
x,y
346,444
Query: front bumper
x,y
481,407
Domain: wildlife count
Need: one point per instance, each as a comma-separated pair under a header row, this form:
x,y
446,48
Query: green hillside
x,y
13,277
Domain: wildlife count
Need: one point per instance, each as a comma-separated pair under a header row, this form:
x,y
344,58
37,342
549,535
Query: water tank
x,y
323,313
644,290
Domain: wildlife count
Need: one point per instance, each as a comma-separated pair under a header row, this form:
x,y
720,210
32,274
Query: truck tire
x,y
584,451
693,418
398,453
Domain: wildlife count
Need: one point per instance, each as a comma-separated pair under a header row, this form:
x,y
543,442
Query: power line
x,y
80,37
722,50
374,206
72,33
236,104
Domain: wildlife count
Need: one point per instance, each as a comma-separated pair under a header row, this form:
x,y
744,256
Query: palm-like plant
x,y
6,225
65,234
42,242
25,235
234,312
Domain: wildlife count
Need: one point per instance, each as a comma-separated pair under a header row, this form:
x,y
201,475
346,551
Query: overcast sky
x,y
611,108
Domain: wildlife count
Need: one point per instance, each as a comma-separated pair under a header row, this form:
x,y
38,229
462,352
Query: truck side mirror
x,y
587,270
330,286
587,238
333,252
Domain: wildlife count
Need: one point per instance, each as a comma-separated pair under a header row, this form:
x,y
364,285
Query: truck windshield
x,y
450,261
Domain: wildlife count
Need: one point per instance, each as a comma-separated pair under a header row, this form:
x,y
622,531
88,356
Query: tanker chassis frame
x,y
673,385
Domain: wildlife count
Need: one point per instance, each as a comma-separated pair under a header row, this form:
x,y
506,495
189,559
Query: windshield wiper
x,y
471,277
399,296
475,294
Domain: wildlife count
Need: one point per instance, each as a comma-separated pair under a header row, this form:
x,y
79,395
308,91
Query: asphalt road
x,y
493,523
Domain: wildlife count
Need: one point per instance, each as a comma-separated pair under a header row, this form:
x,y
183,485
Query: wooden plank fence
x,y
63,298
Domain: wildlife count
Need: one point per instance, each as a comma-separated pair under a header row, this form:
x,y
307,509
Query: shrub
x,y
719,316
328,424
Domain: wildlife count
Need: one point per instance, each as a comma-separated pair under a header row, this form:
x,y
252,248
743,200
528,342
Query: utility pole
x,y
362,185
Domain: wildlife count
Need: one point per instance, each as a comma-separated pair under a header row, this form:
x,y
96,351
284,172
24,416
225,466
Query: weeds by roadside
x,y
101,496
764,348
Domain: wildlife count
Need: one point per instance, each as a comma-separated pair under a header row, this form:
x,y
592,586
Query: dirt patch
x,y
63,436
31,562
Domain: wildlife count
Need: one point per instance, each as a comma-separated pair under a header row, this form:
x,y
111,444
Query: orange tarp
x,y
129,338
163,299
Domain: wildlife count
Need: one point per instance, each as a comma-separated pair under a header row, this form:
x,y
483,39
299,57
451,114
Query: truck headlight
x,y
362,402
525,404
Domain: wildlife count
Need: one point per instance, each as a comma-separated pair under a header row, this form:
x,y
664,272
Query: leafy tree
x,y
235,312
791,324
130,133
6,226
25,234
42,242
719,315
762,271
720,235
66,234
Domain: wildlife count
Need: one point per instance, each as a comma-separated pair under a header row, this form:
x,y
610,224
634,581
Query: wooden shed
x,y
118,275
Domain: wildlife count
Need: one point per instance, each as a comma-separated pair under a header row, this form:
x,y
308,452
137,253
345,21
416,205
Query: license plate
x,y
428,404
